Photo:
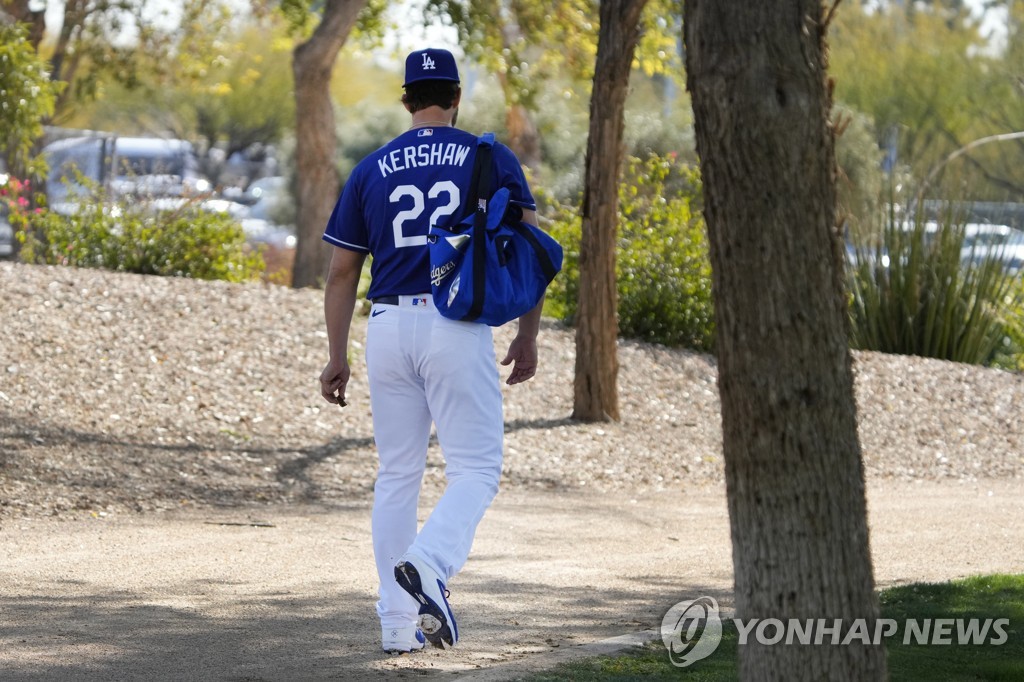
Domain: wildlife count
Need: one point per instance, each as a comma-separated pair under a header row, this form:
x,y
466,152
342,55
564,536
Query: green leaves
x,y
663,270
183,240
27,98
913,294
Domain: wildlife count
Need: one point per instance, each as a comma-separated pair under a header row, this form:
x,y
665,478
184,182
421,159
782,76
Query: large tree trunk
x,y
794,478
596,395
312,64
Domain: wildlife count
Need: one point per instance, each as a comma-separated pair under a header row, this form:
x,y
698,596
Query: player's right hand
x,y
333,381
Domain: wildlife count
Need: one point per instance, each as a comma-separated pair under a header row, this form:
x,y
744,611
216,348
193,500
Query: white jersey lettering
x,y
418,156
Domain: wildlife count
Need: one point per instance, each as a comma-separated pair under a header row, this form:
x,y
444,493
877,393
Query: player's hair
x,y
429,93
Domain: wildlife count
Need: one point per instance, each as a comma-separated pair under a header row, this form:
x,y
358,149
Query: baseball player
x,y
422,368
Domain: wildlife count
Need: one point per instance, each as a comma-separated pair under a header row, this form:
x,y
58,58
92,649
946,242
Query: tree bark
x,y
794,478
597,366
315,144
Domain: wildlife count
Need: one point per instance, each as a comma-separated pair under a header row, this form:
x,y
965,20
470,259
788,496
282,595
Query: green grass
x,y
983,597
994,596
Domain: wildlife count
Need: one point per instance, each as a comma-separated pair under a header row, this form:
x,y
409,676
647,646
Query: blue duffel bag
x,y
492,267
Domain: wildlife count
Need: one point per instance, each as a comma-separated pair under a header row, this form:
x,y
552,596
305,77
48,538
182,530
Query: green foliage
x,y
931,83
128,236
659,119
526,43
239,97
303,17
1011,354
860,176
663,270
913,294
661,28
243,99
137,45
27,98
529,44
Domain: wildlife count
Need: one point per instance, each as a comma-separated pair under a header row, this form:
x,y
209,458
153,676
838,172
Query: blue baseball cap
x,y
430,64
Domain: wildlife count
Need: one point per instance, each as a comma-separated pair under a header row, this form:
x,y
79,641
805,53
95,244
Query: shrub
x,y
1010,355
914,294
662,268
176,238
27,98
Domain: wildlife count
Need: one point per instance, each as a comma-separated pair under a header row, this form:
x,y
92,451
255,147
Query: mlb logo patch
x,y
425,132
419,301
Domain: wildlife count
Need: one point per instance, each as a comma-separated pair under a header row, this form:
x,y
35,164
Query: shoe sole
x,y
396,651
433,621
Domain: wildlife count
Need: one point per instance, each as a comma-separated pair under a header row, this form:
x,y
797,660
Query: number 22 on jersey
x,y
443,195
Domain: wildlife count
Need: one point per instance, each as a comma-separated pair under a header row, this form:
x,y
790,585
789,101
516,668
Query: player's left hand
x,y
522,351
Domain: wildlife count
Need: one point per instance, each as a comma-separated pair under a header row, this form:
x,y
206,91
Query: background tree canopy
x,y
913,83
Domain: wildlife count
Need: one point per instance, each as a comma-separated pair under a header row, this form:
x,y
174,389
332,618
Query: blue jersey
x,y
394,195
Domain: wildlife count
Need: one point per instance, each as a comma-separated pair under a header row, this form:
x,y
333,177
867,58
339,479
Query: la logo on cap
x,y
430,64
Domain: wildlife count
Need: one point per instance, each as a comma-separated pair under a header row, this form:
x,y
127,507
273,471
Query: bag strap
x,y
547,265
480,193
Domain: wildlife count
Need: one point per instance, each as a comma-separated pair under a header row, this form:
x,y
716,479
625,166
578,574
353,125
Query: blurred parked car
x,y
263,211
998,242
6,236
124,166
983,235
156,167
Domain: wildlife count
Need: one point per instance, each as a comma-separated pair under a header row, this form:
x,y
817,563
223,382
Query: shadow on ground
x,y
273,636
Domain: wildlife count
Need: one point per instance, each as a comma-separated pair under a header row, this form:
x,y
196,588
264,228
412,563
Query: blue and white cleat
x,y
402,640
436,619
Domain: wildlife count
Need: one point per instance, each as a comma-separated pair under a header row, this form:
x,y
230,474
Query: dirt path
x,y
187,597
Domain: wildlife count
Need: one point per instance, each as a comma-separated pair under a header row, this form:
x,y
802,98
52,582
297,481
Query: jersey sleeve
x,y
346,227
510,175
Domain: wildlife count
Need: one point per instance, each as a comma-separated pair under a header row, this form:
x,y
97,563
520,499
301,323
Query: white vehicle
x,y
270,218
1001,242
124,166
153,166
6,238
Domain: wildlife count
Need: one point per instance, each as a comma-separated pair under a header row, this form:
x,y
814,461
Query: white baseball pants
x,y
424,368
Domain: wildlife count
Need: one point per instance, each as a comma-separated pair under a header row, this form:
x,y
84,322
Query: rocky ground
x,y
122,393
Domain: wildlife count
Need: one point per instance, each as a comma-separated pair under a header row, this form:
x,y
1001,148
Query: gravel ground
x,y
123,393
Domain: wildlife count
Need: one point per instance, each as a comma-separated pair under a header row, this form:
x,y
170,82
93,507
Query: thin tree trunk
x,y
597,366
65,59
315,144
794,477
523,136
